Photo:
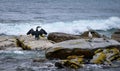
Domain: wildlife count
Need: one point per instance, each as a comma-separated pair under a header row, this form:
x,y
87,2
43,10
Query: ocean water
x,y
23,61
69,16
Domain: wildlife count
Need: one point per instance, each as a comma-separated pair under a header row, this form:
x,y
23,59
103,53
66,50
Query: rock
x,y
59,37
29,43
59,65
99,58
24,69
79,47
116,35
21,44
94,34
73,61
39,60
13,48
106,56
6,42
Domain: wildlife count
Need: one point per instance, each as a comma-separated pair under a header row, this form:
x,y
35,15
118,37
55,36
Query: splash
x,y
74,27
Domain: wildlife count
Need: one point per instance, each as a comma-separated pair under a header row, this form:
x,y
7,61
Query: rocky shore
x,y
23,42
72,51
116,35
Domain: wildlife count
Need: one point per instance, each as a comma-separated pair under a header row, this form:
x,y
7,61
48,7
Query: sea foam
x,y
74,27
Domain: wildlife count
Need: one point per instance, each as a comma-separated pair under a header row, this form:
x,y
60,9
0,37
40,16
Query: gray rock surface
x,y
9,43
79,47
30,41
6,42
85,44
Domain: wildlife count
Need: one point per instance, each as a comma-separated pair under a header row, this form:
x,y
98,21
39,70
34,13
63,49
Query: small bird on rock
x,y
90,35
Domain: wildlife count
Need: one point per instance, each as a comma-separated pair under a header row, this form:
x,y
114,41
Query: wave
x,y
74,27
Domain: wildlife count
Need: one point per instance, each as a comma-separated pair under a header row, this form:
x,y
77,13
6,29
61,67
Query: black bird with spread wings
x,y
37,33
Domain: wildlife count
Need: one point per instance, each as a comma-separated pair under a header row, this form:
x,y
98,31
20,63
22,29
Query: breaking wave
x,y
74,27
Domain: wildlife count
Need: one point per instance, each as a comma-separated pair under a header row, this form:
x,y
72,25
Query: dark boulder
x,y
59,37
94,34
116,35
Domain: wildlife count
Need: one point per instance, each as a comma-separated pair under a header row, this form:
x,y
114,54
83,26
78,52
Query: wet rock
x,y
94,34
99,58
59,37
6,42
64,53
39,60
29,43
24,69
13,48
29,65
59,54
71,62
116,35
59,65
21,44
106,56
79,47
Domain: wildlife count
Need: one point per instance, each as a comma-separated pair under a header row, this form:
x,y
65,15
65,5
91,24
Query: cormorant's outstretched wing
x,y
42,31
31,31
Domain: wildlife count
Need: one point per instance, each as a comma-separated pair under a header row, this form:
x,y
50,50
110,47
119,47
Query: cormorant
x,y
37,33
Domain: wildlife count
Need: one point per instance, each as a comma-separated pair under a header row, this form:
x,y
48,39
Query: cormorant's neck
x,y
36,29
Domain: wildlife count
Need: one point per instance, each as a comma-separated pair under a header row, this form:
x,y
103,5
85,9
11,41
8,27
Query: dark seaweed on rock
x,y
21,44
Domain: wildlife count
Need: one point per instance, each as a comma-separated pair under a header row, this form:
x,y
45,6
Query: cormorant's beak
x,y
38,26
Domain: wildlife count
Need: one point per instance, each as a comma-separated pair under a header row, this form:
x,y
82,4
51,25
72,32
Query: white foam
x,y
18,52
73,27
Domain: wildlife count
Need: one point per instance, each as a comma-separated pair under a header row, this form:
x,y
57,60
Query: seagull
x,y
90,35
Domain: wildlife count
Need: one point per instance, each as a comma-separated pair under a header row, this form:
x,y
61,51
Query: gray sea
x,y
69,16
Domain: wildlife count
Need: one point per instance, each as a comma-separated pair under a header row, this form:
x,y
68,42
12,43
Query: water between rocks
x,y
24,61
